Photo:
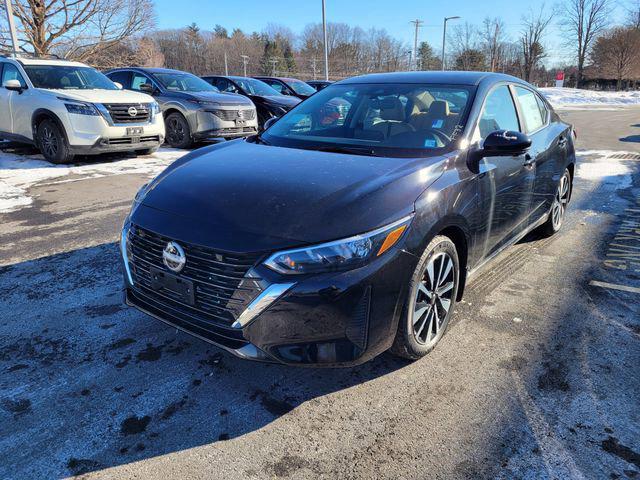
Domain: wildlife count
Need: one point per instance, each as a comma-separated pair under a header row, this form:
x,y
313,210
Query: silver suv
x,y
193,110
67,108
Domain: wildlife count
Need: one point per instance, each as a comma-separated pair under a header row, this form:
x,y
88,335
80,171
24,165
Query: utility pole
x,y
417,23
12,26
313,66
326,47
273,61
444,37
226,67
245,60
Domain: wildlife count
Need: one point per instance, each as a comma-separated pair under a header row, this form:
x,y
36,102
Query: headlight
x,y
206,103
155,108
344,254
81,108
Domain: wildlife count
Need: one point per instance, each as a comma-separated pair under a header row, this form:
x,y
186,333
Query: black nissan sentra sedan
x,y
339,233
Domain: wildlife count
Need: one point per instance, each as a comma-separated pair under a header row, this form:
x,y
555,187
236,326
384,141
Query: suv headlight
x,y
155,108
206,103
82,109
343,254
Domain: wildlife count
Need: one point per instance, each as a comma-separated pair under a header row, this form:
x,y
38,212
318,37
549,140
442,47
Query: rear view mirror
x,y
505,143
119,85
146,88
13,85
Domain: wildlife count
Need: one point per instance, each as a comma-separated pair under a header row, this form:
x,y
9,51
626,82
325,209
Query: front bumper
x,y
118,144
332,319
210,126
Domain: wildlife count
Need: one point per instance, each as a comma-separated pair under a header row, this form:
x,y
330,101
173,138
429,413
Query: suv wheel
x,y
178,131
52,142
559,206
429,306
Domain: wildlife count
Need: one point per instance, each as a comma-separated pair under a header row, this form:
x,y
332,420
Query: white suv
x,y
68,108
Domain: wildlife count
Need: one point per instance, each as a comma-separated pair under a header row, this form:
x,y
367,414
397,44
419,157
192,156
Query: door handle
x,y
562,141
529,160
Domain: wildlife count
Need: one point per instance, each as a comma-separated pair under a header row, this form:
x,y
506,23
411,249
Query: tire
x,y
52,142
178,133
147,151
558,207
425,316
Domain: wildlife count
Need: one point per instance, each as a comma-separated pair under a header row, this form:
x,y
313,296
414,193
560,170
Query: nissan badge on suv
x,y
68,108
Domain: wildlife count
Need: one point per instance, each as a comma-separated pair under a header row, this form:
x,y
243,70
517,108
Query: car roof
x,y
149,70
284,79
47,61
448,77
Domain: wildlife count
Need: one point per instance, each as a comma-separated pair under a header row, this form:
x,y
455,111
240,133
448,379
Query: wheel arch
x,y
44,114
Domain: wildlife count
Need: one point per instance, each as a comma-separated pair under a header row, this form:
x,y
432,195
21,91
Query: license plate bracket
x,y
183,288
241,123
133,131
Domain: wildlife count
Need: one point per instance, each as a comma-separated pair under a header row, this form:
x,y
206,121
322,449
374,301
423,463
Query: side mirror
x,y
13,85
505,143
270,122
119,85
146,88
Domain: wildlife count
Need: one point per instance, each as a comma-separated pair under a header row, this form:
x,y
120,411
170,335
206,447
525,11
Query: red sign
x,y
560,76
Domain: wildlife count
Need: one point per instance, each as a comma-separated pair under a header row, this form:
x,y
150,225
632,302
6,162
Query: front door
x,y
506,183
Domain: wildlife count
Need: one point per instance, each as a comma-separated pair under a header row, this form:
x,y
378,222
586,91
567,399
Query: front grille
x,y
221,292
232,115
120,112
130,140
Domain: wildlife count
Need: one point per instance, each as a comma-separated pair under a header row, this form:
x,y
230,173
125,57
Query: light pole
x,y
245,60
444,37
326,48
417,23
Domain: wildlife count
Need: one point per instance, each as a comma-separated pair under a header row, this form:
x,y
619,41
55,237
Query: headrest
x,y
392,109
439,109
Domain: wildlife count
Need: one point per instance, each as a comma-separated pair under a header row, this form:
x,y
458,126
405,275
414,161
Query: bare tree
x,y
583,21
615,54
633,15
534,26
493,37
79,29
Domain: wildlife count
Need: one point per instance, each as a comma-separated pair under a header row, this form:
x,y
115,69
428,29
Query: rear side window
x,y
533,117
498,113
10,72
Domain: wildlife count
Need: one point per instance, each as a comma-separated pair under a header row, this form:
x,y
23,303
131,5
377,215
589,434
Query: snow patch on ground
x,y
18,173
602,167
573,97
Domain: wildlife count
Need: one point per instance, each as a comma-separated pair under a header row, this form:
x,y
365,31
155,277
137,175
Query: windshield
x,y
386,119
60,77
251,86
300,87
184,82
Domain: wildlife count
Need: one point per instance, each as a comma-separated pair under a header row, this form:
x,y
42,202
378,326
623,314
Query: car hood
x,y
281,100
253,197
103,96
224,99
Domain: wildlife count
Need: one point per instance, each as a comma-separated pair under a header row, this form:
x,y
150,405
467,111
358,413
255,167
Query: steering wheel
x,y
444,138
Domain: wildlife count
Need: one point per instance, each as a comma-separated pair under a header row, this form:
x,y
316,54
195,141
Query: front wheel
x,y
178,131
52,142
559,206
429,306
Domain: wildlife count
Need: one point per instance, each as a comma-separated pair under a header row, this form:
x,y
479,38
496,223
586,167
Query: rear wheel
x,y
559,206
178,133
52,142
429,306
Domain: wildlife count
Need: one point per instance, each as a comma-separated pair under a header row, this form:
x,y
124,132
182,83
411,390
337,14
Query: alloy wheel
x,y
175,131
560,202
433,299
49,142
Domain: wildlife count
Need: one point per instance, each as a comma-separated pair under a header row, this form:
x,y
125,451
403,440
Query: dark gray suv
x,y
193,109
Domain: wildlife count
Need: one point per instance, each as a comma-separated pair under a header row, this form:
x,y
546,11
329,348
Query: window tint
x,y
121,77
277,86
10,72
499,112
139,79
533,118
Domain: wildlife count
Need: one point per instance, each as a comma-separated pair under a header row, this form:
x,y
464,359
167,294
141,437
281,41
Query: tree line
x,y
110,33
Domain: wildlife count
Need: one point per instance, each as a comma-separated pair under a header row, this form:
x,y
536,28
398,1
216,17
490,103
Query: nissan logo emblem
x,y
173,257
133,111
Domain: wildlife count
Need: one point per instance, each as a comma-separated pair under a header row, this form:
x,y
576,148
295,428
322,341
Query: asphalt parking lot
x,y
537,378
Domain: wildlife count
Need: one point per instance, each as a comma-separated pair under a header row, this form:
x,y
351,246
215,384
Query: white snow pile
x,y
601,166
575,98
19,173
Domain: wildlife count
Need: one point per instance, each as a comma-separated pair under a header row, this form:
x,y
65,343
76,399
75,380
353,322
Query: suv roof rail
x,y
8,54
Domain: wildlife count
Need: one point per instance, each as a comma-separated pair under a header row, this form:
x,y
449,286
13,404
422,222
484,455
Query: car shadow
x,y
76,364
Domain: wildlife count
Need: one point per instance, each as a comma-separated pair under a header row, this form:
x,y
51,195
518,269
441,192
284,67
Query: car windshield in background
x,y
58,77
300,87
255,87
376,119
184,82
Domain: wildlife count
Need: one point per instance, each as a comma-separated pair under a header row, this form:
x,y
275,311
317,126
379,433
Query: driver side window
x,y
498,113
138,79
10,72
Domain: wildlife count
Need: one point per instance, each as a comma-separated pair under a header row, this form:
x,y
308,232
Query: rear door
x,y
506,183
546,155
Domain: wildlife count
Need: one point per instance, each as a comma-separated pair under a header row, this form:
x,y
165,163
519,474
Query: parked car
x,y
289,86
68,108
330,240
319,84
269,103
193,109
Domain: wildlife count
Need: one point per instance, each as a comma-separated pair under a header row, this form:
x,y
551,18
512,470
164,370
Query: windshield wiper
x,y
367,151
